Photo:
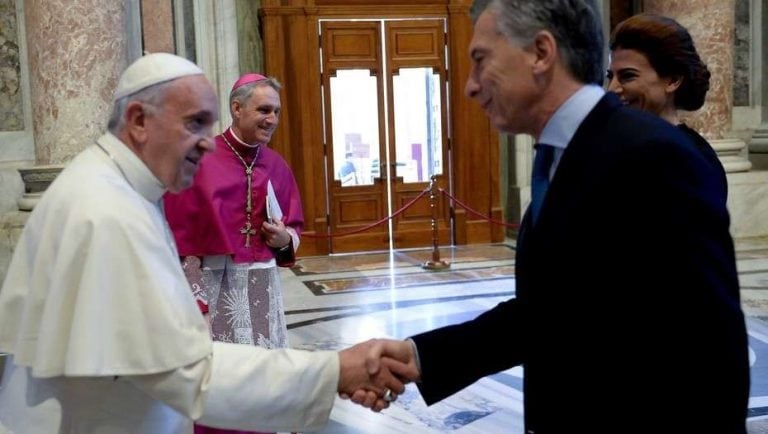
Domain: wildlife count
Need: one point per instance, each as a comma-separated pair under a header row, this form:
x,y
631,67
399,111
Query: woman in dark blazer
x,y
655,67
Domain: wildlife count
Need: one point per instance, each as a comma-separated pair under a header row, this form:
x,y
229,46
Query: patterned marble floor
x,y
334,302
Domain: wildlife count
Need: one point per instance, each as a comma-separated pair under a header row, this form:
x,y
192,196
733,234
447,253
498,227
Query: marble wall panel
x,y
76,51
250,45
11,186
764,56
11,225
711,24
157,26
747,204
11,106
741,59
187,46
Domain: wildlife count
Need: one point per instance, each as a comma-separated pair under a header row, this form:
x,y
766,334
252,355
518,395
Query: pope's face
x,y
256,120
180,131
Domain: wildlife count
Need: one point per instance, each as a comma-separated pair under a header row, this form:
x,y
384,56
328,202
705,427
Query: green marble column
x,y
250,46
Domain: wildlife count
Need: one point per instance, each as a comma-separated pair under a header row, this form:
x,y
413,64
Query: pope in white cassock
x,y
95,311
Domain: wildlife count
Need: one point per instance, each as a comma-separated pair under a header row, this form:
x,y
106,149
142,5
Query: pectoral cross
x,y
248,231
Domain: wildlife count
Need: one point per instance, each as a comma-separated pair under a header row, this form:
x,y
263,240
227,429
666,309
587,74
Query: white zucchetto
x,y
153,69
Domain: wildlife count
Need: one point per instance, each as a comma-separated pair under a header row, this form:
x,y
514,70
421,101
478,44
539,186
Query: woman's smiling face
x,y
634,80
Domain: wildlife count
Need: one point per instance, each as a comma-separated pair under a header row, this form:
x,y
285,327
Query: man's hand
x,y
370,368
275,234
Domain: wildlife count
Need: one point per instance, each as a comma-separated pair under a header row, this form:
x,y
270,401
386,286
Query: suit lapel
x,y
525,228
567,171
575,158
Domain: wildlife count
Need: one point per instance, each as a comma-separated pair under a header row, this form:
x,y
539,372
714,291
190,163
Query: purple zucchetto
x,y
247,78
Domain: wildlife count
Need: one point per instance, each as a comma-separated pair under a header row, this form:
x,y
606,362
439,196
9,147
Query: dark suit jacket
x,y
709,154
627,314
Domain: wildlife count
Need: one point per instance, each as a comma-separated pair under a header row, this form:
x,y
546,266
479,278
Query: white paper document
x,y
274,213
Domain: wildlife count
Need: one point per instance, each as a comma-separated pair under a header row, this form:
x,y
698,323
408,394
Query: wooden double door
x,y
385,131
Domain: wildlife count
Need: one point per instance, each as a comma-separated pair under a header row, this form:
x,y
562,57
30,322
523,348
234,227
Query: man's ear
x,y
236,108
135,122
544,47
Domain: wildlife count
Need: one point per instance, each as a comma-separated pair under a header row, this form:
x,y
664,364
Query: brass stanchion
x,y
436,263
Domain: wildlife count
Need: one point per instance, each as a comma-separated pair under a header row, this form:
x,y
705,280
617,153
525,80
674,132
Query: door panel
x,y
354,132
351,45
416,43
416,74
385,129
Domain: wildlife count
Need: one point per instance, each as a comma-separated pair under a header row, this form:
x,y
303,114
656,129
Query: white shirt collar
x,y
130,165
561,127
239,140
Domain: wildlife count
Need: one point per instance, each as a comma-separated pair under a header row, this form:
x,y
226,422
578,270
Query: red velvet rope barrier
x,y
365,228
408,205
471,211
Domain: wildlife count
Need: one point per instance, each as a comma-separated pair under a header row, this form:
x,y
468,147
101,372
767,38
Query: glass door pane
x,y
355,126
418,124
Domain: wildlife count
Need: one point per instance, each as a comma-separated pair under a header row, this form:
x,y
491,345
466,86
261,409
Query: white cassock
x,y
105,335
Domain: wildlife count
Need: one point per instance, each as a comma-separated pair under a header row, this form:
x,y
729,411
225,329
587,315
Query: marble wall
x,y
16,147
157,26
11,106
11,225
251,50
764,65
711,24
748,203
76,51
741,59
184,25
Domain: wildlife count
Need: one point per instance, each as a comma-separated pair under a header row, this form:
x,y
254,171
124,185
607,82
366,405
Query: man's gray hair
x,y
151,96
242,93
575,24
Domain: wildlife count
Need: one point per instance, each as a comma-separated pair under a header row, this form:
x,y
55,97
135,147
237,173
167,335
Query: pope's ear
x,y
135,121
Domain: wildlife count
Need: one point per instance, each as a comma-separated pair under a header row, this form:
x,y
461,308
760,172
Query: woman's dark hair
x,y
671,52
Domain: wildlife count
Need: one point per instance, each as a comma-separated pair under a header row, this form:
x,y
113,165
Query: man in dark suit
x,y
627,315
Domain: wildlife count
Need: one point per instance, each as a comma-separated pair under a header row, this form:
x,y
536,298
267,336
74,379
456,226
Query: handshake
x,y
374,372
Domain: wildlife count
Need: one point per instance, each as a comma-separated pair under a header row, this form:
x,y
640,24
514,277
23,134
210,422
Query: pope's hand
x,y
378,370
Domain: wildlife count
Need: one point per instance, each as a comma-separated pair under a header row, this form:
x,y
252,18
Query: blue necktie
x,y
540,177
